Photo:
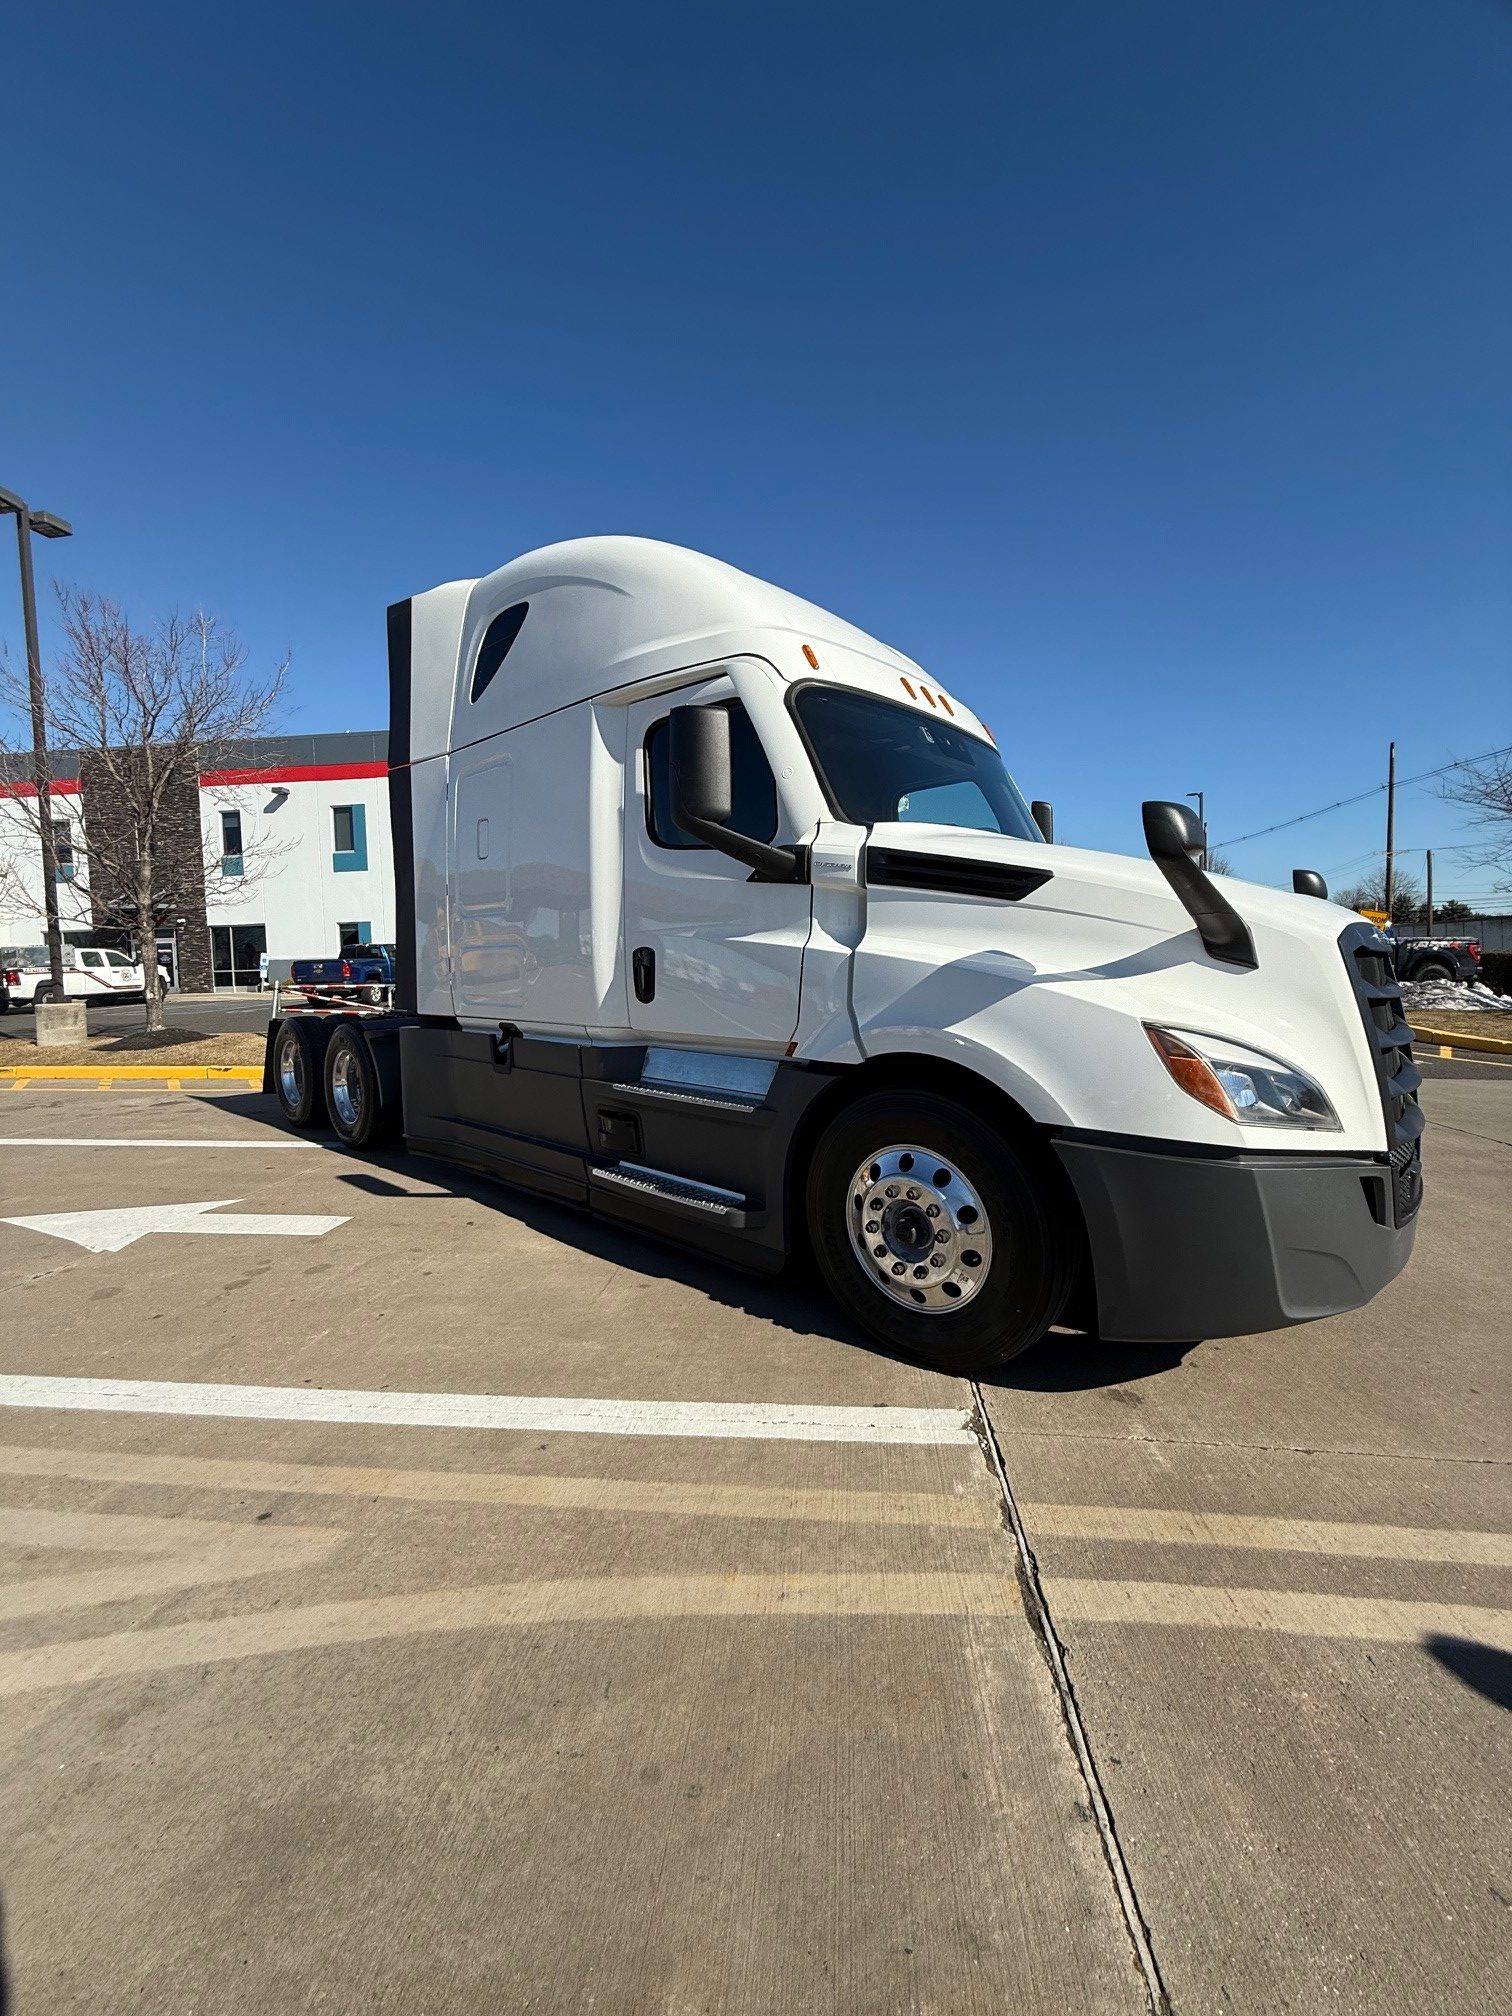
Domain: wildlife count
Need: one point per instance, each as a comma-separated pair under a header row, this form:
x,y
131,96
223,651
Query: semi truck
x,y
724,920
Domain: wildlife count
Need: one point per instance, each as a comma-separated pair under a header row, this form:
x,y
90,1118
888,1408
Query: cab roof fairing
x,y
610,612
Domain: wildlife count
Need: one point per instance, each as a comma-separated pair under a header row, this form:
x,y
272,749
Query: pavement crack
x,y
1037,1611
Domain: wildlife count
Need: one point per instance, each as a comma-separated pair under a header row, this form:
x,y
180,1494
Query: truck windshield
x,y
879,760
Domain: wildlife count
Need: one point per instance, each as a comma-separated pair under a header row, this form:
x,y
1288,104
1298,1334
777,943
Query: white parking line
x,y
141,1141
755,1420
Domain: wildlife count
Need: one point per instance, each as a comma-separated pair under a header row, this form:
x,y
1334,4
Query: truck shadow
x,y
1068,1361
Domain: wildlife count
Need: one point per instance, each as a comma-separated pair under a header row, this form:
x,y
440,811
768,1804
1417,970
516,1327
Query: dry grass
x,y
167,1047
1464,1021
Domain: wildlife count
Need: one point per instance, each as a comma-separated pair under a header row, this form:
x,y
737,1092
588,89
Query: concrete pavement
x,y
352,1712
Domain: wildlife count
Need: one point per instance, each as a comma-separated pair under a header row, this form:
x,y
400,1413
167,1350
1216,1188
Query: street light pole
x,y
49,527
1201,797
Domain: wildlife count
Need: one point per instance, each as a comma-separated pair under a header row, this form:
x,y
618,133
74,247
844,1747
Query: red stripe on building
x,y
295,773
61,787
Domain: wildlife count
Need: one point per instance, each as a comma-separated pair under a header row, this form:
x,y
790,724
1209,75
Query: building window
x,y
753,793
348,838
63,849
231,843
355,934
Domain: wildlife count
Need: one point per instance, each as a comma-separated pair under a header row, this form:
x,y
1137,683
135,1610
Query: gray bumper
x,y
1186,1247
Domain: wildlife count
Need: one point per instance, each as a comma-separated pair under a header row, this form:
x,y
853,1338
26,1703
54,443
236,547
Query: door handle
x,y
643,968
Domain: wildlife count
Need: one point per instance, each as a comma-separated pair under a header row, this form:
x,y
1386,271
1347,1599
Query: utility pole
x,y
1201,797
47,526
1428,901
1390,832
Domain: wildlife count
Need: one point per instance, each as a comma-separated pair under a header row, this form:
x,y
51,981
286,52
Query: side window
x,y
91,959
494,649
754,797
116,959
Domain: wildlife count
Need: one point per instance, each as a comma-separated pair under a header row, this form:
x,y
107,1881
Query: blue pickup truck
x,y
365,971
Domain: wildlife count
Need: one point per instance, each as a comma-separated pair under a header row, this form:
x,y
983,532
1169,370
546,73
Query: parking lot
x,y
419,1598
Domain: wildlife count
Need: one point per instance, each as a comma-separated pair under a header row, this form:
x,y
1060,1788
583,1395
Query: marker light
x,y
1243,1085
812,656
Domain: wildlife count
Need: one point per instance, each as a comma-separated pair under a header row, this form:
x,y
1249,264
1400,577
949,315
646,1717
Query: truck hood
x,y
1077,966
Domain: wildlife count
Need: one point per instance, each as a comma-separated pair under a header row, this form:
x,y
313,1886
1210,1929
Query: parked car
x,y
90,973
1438,959
366,971
9,978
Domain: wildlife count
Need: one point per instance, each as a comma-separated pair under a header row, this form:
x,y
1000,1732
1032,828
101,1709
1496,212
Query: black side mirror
x,y
1173,830
703,793
1308,882
1044,817
1177,841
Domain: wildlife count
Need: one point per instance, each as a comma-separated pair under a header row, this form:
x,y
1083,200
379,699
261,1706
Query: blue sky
x,y
1141,370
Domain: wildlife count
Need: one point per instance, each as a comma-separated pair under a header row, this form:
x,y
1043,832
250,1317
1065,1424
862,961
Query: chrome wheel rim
x,y
919,1229
291,1077
346,1087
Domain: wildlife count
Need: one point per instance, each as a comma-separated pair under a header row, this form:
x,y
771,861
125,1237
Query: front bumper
x,y
1186,1246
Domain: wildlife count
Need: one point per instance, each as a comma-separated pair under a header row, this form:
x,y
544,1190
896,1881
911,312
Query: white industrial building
x,y
297,861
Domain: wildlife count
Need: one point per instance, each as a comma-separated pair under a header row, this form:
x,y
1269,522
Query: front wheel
x,y
935,1233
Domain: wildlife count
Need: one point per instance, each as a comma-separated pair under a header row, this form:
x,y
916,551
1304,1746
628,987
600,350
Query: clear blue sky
x,y
1143,370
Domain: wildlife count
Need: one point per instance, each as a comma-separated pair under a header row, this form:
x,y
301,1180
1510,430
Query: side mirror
x,y
1044,817
1177,840
1173,831
1308,882
703,794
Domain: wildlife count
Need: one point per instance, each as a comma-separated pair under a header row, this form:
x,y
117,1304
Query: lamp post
x,y
1201,797
47,526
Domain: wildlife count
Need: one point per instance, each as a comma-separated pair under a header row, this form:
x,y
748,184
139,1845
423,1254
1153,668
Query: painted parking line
x,y
143,1141
774,1598
1339,1538
741,1420
531,1491
578,1600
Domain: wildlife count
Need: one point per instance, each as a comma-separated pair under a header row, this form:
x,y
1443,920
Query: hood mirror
x,y
1044,817
1308,882
1177,840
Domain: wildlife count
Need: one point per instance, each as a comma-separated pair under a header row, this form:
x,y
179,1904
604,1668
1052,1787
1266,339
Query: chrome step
x,y
682,1193
719,1102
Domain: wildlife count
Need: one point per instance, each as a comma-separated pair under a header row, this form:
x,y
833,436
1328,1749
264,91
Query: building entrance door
x,y
236,951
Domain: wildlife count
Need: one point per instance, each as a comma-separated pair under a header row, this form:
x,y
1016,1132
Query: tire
x,y
956,1191
297,1076
1431,969
373,996
353,1096
45,994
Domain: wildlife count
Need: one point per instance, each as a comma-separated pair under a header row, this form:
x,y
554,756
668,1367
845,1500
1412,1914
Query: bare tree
x,y
147,710
1486,789
1370,894
1218,864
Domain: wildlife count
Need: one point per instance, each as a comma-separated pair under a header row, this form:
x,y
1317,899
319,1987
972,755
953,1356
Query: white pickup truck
x,y
90,973
721,918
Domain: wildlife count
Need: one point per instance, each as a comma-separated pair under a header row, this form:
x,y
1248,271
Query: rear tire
x,y
1432,969
297,1076
353,1096
967,1258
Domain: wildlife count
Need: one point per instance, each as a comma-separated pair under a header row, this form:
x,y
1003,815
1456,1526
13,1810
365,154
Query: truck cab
x,y
722,918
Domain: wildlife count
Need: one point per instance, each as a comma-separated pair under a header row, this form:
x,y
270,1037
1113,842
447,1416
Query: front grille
x,y
1380,998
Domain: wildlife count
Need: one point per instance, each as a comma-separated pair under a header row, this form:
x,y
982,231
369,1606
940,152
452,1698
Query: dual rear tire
x,y
333,1079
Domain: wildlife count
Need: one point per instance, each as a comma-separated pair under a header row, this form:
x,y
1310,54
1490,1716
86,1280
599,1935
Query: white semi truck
x,y
721,918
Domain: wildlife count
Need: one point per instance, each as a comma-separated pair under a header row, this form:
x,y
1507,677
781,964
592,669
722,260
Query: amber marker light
x,y
812,656
1192,1073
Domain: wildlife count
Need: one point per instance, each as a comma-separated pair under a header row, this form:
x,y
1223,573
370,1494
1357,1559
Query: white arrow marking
x,y
109,1231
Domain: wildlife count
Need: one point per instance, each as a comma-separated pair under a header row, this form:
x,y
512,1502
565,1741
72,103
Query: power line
x,y
1459,763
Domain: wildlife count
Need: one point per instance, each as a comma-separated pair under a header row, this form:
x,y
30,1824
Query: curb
x,y
1457,1039
130,1074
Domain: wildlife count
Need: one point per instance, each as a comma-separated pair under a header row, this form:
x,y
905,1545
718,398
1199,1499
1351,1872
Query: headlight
x,y
1241,1084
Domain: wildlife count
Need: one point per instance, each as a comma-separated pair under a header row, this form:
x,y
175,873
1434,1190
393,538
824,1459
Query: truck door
x,y
713,958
